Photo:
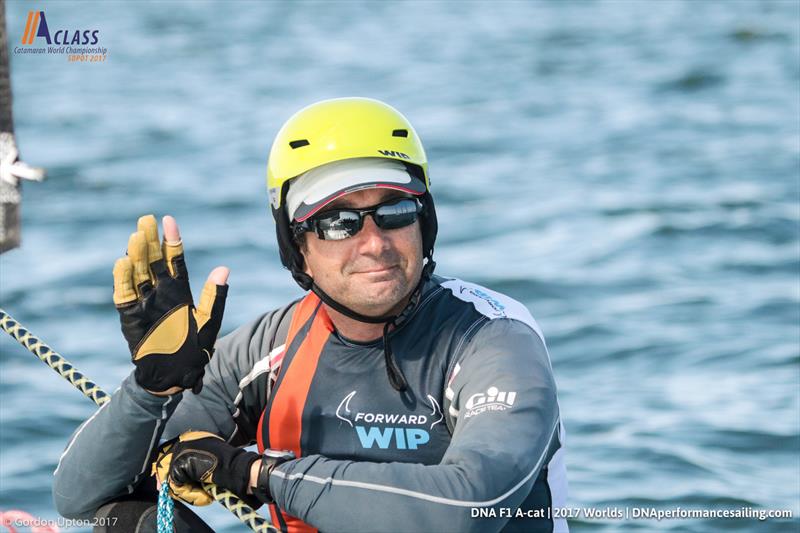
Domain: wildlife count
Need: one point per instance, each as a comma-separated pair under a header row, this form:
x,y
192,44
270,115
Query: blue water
x,y
628,170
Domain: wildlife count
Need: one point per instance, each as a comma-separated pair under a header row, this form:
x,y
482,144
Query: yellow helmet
x,y
338,129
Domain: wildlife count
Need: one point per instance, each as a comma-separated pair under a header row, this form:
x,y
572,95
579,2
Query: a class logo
x,y
36,26
77,44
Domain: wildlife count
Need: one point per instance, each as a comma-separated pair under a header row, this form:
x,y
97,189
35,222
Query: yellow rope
x,y
54,360
243,512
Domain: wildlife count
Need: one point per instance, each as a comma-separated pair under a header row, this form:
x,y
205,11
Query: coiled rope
x,y
91,390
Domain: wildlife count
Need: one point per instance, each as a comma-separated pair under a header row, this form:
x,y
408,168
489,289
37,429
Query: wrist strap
x,y
269,460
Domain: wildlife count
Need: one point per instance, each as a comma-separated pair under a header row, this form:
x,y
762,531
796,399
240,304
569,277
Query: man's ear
x,y
302,244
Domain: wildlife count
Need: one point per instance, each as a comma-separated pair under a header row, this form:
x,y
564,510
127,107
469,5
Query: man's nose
x,y
372,238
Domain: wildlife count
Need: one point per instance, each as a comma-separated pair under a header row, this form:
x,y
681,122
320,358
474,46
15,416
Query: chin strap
x,y
396,377
346,311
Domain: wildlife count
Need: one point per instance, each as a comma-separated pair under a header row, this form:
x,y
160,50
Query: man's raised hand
x,y
170,340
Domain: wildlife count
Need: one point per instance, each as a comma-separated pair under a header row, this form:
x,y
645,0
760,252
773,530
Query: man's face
x,y
373,271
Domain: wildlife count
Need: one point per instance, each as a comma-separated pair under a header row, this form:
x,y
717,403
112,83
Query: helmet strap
x,y
395,374
330,302
427,271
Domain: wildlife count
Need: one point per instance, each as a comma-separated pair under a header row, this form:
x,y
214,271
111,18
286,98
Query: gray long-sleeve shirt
x,y
475,444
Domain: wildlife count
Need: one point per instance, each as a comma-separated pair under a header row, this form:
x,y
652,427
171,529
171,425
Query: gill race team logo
x,y
492,400
77,44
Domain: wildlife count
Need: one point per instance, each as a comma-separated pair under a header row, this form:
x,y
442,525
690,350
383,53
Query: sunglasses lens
x,y
339,225
342,224
398,215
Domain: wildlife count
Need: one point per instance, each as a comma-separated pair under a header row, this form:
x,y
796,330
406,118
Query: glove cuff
x,y
239,479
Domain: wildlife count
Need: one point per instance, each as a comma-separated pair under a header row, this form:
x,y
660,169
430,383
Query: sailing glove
x,y
198,456
170,340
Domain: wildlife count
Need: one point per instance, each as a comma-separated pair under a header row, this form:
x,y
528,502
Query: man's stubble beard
x,y
364,301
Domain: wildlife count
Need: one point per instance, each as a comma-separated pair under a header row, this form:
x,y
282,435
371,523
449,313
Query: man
x,y
386,399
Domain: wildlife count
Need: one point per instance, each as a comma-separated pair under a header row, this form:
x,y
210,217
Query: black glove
x,y
170,341
201,456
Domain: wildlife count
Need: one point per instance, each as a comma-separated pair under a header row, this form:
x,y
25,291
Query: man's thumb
x,y
219,276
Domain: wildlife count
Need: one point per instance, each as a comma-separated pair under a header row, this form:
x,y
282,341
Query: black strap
x,y
393,371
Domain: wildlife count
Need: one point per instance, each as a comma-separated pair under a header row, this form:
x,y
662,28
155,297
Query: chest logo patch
x,y
401,431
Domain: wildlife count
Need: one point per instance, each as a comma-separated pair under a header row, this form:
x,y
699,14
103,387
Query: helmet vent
x,y
400,133
299,143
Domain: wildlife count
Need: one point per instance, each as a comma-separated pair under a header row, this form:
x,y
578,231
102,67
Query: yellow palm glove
x,y
170,340
191,494
200,456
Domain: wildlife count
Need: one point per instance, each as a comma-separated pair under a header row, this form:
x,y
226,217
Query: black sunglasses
x,y
338,224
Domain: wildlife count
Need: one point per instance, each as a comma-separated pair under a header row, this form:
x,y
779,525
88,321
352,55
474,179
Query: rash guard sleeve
x,y
110,454
493,459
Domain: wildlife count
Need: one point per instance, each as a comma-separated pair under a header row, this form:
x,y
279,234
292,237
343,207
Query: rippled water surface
x,y
628,170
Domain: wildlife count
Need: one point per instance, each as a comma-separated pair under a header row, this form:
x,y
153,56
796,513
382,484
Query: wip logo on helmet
x,y
36,26
392,153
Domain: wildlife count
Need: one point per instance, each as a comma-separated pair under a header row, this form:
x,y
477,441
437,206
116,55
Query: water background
x,y
628,170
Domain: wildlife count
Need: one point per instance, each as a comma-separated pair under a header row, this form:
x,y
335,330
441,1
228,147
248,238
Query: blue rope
x,y
165,509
